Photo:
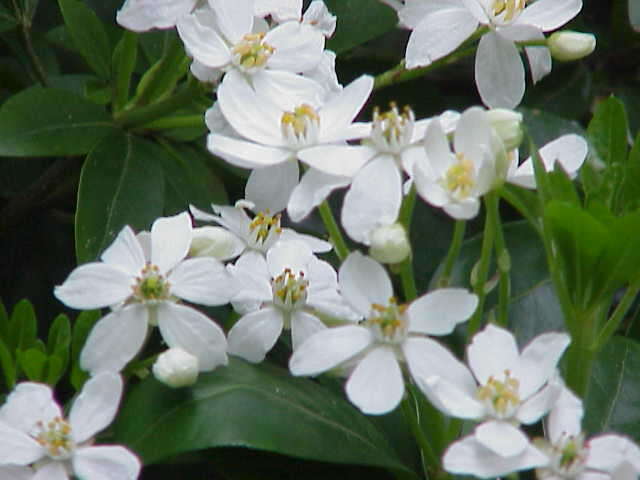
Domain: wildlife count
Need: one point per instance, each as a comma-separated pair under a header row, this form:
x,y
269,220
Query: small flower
x,y
390,244
390,334
33,432
567,46
143,15
143,288
176,368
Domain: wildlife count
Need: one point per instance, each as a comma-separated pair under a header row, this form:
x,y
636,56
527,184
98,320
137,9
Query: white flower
x,y
391,333
390,244
570,456
34,432
456,180
505,388
288,289
143,289
441,26
569,151
176,368
143,15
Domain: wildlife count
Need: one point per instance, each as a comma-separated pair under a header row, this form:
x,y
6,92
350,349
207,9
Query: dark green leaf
x,y
256,406
608,131
359,21
89,35
83,325
121,184
33,362
7,19
4,322
59,335
124,61
7,366
628,193
55,369
23,327
50,122
612,400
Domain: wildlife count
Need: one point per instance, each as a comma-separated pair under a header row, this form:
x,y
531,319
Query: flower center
x,y
265,229
506,10
501,397
251,52
289,289
388,322
300,127
567,458
392,130
151,286
55,437
459,179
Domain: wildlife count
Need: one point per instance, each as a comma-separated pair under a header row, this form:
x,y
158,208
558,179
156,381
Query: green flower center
x,y
459,179
388,321
151,286
501,397
251,52
289,289
55,437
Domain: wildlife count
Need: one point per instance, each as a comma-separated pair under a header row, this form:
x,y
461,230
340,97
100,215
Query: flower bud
x,y
566,45
176,368
389,244
215,242
508,126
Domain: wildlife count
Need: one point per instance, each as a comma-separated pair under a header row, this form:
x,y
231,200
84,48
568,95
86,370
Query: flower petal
x,y
606,452
539,404
247,154
502,438
329,348
294,255
364,281
342,160
338,113
491,352
314,187
298,47
286,90
96,406
16,472
170,240
270,188
303,326
52,470
235,19
125,252
106,463
17,447
201,280
539,360
549,14
115,340
201,39
438,312
193,332
28,404
94,285
499,72
565,416
450,399
255,334
376,385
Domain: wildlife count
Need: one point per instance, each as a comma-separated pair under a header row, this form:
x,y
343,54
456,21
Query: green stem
x,y
503,262
617,317
482,273
339,245
453,253
429,459
408,280
406,210
180,121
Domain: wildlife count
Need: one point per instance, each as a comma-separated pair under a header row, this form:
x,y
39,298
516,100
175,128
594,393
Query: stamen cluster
x,y
388,322
289,289
501,397
55,437
392,130
251,52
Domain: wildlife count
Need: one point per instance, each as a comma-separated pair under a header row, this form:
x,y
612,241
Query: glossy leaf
x,y
7,365
23,327
50,122
121,184
256,406
608,131
89,35
33,362
612,400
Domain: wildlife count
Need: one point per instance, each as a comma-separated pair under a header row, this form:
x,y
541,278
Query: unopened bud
x,y
508,126
215,242
176,368
389,244
567,46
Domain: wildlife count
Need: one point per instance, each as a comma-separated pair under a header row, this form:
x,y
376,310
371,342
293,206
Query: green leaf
x,y
50,122
608,131
611,403
89,36
23,327
628,193
55,369
83,325
7,365
124,61
297,417
4,322
7,19
33,362
359,21
59,338
121,184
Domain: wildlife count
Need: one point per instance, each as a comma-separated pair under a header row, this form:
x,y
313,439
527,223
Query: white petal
x,y
436,144
255,334
294,255
125,252
414,11
298,47
203,42
94,285
473,134
170,240
550,14
343,160
449,398
439,34
314,187
491,352
606,452
303,326
539,404
52,470
247,154
468,456
539,360
115,340
499,72
235,19
376,385
17,447
438,312
565,417
502,438
27,404
314,243
193,332
270,187
364,281
286,90
341,110
464,210
280,10
106,463
15,472
328,349
201,280
373,200
143,15
96,406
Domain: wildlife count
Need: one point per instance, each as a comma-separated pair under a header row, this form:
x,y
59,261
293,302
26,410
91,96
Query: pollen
x,y
510,8
388,321
459,179
151,286
300,124
501,397
55,437
290,290
251,52
392,130
265,227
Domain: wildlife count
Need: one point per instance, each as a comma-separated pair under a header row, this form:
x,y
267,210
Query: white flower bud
x,y
567,46
389,244
508,126
216,242
176,368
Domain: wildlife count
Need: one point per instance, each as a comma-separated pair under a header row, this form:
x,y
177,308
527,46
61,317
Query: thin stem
x,y
617,317
429,458
180,121
503,262
340,246
406,210
453,253
408,280
479,283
